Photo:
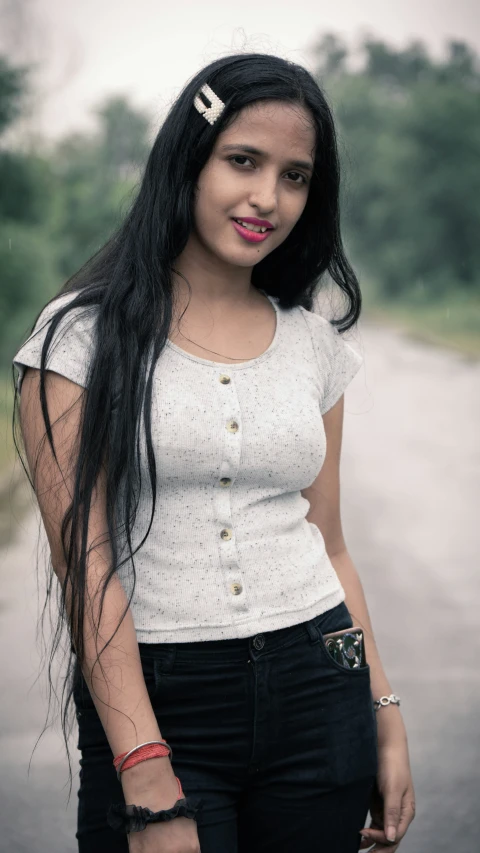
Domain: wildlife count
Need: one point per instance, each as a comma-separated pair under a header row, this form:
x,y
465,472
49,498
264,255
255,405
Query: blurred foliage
x,y
409,131
28,273
409,134
12,87
95,179
58,207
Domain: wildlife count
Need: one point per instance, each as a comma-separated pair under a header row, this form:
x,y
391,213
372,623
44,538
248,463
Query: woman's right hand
x,y
152,784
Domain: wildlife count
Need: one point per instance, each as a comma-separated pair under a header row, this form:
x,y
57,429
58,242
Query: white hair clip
x,y
216,107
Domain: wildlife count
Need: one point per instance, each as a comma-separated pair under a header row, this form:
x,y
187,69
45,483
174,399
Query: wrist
x,y
151,784
390,726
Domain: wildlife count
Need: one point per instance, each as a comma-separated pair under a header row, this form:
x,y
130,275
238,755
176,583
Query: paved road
x,y
410,475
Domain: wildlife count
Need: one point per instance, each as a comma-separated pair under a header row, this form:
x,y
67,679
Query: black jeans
x,y
278,740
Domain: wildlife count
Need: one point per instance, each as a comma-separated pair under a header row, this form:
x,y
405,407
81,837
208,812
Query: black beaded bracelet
x,y
135,818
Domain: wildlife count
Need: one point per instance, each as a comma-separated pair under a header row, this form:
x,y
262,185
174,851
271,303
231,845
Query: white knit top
x,y
230,553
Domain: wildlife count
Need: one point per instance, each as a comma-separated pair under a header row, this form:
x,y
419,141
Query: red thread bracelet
x,y
142,753
153,749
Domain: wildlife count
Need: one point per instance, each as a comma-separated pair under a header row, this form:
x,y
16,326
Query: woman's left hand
x,y
393,799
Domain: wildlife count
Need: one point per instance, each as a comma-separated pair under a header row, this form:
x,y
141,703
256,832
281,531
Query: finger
x,y
372,833
387,847
376,832
367,844
407,814
378,847
378,836
391,814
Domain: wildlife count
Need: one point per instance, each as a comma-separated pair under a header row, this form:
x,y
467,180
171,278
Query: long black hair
x,y
128,285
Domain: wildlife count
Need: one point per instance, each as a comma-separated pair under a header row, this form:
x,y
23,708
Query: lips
x,y
250,236
252,220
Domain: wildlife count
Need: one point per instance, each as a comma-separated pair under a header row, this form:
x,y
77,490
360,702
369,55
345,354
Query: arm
x,y
119,681
324,498
393,800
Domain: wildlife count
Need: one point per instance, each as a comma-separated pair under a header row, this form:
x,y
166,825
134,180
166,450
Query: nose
x,y
264,195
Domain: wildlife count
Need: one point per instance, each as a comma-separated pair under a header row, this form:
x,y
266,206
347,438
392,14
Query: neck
x,y
212,281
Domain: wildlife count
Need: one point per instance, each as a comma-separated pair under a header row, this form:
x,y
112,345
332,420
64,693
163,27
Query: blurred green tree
x,y
97,176
58,208
27,257
29,273
409,132
12,89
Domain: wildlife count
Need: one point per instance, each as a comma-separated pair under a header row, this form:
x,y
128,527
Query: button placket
x,y
230,425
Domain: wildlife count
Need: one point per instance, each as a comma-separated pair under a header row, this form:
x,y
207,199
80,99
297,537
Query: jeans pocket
x,y
348,712
337,619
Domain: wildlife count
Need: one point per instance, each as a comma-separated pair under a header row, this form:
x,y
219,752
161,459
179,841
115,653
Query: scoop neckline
x,y
243,364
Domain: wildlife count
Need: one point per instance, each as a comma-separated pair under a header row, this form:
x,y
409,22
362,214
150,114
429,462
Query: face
x,y
260,168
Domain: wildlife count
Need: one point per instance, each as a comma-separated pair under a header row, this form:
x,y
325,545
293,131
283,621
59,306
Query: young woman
x,y
181,409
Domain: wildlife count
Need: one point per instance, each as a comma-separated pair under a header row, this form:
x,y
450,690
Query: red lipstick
x,y
253,236
263,223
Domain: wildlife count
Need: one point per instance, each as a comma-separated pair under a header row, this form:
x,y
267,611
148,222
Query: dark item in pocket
x,y
347,647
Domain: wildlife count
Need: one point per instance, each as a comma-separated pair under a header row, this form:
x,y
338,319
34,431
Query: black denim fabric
x,y
278,740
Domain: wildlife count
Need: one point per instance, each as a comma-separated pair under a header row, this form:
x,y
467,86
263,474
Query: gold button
x,y
225,481
232,426
226,533
236,588
224,379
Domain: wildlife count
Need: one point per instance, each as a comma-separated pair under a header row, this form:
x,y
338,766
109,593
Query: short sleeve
x,y
337,360
71,347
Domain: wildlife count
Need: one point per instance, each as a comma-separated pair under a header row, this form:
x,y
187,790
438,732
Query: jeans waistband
x,y
241,649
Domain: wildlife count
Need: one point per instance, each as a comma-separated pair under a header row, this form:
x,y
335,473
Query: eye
x,y
303,179
299,175
239,157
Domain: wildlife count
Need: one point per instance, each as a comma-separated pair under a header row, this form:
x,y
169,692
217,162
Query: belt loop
x,y
312,630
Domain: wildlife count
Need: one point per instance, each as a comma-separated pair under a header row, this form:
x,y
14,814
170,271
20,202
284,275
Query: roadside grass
x,y
7,450
15,490
452,322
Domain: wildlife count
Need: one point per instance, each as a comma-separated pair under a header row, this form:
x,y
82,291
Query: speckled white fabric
x,y
230,553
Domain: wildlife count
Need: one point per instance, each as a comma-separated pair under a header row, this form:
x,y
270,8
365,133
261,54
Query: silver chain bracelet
x,y
386,700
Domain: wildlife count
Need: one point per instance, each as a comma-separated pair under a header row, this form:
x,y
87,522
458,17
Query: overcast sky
x,y
148,49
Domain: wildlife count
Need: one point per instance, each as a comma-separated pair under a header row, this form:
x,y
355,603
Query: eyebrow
x,y
301,164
